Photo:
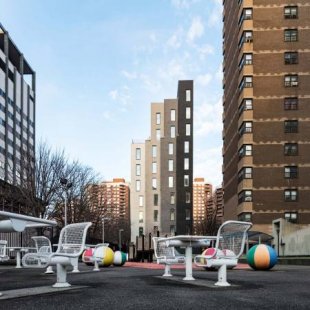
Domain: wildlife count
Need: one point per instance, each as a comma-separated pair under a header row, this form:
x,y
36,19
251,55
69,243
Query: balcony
x,y
245,207
245,161
246,115
245,184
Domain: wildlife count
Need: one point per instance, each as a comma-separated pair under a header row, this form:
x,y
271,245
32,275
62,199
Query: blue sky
x,y
100,63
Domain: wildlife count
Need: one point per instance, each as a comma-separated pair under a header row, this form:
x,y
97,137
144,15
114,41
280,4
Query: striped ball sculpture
x,y
119,258
262,257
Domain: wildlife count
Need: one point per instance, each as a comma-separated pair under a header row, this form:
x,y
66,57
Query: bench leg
x,y
61,276
75,265
167,271
96,266
49,270
222,276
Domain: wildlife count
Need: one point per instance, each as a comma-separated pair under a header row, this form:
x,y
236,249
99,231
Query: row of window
x,y
173,115
290,126
290,58
155,216
170,182
289,216
290,80
290,195
290,172
289,103
11,102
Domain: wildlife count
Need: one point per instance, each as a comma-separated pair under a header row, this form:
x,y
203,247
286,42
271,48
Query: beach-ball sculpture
x,y
262,257
119,258
210,252
105,256
87,256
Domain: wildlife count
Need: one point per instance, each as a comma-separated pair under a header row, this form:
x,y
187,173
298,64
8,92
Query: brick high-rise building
x,y
162,169
266,151
202,194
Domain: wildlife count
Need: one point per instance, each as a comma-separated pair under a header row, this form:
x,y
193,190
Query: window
x,y
290,149
290,58
141,198
154,167
172,132
245,217
245,150
291,80
138,154
290,12
155,215
246,82
140,216
290,35
138,185
247,37
154,183
187,214
290,195
154,150
172,198
188,130
157,134
186,180
172,115
291,172
188,112
291,103
186,146
245,173
172,214
170,165
246,127
186,163
246,14
170,182
170,149
291,216
247,59
155,230
157,118
172,229
246,104
140,231
138,169
291,126
187,197
245,196
155,200
188,95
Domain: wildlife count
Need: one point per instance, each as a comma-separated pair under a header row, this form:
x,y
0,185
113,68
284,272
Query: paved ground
x,y
132,287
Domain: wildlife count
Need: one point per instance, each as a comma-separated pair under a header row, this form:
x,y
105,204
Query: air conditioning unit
x,y
294,83
249,39
248,199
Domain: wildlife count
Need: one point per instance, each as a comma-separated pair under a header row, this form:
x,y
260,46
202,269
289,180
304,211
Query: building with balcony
x,y
266,144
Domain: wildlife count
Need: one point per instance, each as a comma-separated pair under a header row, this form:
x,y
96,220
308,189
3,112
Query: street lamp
x,y
120,238
103,219
66,185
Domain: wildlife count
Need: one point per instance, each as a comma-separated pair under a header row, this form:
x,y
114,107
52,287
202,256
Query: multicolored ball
x,y
262,257
87,257
119,258
105,254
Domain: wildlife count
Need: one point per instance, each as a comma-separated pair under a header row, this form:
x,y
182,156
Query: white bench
x,y
230,241
3,250
166,255
44,249
70,246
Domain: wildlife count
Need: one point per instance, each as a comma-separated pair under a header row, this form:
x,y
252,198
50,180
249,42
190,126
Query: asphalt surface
x,y
284,287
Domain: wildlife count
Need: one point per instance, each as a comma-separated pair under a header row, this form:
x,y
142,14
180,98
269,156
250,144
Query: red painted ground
x,y
179,266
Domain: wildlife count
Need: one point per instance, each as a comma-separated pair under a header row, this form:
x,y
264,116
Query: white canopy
x,y
13,222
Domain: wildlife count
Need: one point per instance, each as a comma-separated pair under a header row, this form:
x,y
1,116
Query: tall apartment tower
x,y
266,150
17,113
202,192
162,169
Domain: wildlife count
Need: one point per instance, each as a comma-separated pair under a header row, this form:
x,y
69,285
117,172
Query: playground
x,y
140,286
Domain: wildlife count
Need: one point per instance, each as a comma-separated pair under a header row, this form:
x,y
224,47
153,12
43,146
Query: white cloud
x,y
208,118
215,17
107,115
129,75
208,164
183,4
121,95
196,29
204,79
113,94
205,49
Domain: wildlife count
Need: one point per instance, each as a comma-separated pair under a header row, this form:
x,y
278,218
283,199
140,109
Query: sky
x,y
100,63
